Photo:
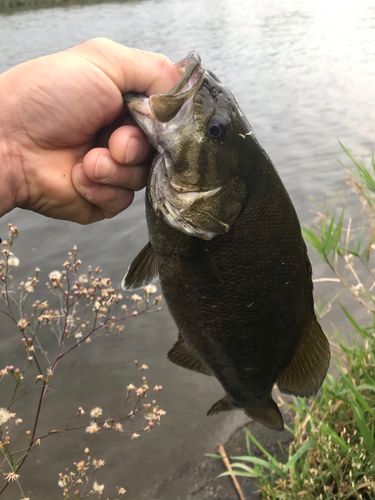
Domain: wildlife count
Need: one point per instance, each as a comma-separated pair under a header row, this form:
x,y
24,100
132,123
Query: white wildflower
x,y
150,289
92,428
29,286
14,261
5,415
96,412
63,481
55,275
11,476
98,487
83,278
98,463
69,321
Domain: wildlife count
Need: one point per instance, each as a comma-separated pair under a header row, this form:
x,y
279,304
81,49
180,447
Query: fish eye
x,y
216,129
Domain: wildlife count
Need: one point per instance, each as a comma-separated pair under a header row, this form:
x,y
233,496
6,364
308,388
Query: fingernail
x,y
105,168
134,150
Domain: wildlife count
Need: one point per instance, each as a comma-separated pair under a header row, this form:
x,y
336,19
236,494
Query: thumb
x,y
129,69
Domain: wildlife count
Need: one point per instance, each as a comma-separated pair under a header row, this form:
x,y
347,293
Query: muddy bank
x,y
201,482
208,486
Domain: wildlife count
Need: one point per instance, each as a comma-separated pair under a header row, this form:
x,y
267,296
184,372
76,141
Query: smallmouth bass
x,y
226,244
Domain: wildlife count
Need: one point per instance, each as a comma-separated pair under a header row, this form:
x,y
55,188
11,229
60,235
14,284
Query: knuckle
x,y
162,61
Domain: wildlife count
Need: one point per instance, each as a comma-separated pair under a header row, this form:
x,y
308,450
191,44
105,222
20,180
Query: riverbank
x,y
200,481
205,484
15,5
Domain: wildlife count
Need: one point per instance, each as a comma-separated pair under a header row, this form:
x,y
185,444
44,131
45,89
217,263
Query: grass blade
x,y
298,455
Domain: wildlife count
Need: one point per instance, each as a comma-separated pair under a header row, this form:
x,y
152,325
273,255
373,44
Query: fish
x,y
225,242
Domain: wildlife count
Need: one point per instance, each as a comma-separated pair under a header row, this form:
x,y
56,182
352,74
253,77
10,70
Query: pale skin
x,y
65,151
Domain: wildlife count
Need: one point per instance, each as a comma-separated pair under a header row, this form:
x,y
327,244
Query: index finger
x,y
130,69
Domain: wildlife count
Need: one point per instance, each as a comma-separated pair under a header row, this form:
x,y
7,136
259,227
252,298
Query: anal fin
x,y
268,415
181,355
142,271
306,371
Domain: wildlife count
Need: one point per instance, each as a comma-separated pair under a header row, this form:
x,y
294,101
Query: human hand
x,y
63,151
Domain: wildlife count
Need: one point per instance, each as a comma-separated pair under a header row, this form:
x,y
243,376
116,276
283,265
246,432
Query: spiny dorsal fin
x,y
181,355
306,371
268,415
142,271
221,405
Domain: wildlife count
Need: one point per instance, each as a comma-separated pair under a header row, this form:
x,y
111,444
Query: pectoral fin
x,y
221,405
181,355
268,415
142,271
305,372
200,266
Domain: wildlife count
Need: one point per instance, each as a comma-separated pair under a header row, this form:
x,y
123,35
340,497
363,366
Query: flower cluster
x,y
80,477
81,305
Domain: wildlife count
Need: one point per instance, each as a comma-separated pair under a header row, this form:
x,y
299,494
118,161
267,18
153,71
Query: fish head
x,y
198,130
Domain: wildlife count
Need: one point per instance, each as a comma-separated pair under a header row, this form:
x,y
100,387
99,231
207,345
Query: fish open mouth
x,y
164,107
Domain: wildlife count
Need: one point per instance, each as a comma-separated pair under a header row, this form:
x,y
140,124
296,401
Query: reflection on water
x,y
303,73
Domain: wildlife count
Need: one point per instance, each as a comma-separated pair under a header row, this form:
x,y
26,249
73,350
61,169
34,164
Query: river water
x,y
303,72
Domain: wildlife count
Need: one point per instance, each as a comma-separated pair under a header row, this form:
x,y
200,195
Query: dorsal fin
x,y
142,271
268,415
181,355
306,371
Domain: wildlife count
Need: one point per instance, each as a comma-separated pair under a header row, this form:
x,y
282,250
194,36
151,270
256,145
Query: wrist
x,y
7,191
10,156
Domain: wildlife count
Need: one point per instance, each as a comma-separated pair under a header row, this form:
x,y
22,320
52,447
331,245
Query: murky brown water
x,y
303,72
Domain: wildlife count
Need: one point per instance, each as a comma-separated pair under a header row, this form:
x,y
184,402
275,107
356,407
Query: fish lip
x,y
191,72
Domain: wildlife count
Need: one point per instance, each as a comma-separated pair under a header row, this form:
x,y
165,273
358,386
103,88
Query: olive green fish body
x,y
244,318
226,244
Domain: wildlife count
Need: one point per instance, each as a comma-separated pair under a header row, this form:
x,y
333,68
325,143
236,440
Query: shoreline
x,y
206,484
